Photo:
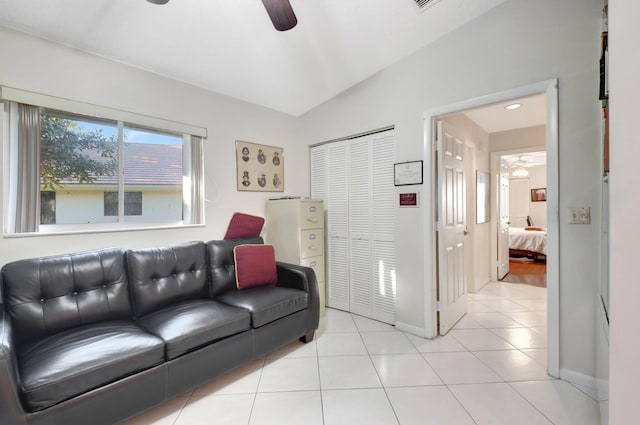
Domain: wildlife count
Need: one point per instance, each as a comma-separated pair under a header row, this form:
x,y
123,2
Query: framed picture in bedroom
x,y
259,168
539,194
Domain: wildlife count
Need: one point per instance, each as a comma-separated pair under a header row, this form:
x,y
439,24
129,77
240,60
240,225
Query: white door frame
x,y
550,89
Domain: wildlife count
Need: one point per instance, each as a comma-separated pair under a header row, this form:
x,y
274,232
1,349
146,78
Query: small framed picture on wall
x,y
539,194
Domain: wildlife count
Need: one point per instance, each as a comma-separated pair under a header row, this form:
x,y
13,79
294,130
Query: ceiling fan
x,y
519,168
280,12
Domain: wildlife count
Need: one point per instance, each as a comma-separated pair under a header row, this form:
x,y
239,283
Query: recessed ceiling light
x,y
512,106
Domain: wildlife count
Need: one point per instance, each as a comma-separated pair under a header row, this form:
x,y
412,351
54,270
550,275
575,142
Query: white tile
x,y
290,375
474,306
541,330
529,318
480,339
224,409
164,414
522,337
288,408
504,305
497,404
494,320
512,365
295,349
533,304
467,322
340,344
427,406
336,321
562,403
387,343
243,380
590,391
537,354
344,372
404,370
367,325
439,344
460,368
357,407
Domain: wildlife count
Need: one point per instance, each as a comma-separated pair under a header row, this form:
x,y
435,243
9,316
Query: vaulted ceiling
x,y
231,47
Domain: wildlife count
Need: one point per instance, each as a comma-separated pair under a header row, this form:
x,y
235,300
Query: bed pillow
x,y
244,226
255,265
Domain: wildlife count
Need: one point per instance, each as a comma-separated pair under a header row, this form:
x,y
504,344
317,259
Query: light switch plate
x,y
579,215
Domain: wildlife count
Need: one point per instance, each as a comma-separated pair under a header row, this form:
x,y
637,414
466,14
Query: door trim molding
x,y
550,89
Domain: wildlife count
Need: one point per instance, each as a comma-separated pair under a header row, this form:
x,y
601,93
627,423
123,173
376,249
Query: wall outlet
x,y
579,215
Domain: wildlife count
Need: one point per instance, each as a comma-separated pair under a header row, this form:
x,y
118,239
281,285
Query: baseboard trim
x,y
587,381
414,330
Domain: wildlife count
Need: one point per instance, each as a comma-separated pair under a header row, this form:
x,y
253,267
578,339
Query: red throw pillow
x,y
244,226
255,265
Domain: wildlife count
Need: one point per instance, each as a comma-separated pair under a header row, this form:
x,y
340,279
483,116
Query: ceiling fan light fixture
x,y
281,14
519,171
158,1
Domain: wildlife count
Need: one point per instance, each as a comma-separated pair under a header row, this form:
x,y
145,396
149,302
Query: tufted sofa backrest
x,y
166,275
222,269
44,296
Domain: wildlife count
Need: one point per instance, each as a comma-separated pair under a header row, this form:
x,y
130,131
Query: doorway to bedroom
x,y
527,211
512,308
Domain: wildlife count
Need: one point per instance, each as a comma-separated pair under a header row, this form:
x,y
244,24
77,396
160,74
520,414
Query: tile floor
x,y
490,369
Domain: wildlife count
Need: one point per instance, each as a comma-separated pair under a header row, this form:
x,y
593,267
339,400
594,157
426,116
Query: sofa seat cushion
x,y
267,303
73,362
189,325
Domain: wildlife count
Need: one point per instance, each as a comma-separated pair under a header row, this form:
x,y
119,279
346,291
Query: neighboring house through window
x,y
104,172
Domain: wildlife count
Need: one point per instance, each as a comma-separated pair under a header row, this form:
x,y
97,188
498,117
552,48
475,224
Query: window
x,y
132,203
99,171
47,207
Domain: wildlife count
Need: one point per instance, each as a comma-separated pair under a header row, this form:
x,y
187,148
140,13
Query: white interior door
x,y
519,204
503,223
452,282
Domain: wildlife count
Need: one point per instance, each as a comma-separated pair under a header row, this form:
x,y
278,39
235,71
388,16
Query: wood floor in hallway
x,y
529,273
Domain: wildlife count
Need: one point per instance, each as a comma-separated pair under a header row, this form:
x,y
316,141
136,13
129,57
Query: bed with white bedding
x,y
526,241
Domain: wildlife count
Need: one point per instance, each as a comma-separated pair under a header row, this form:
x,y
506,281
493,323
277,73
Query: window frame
x,y
10,95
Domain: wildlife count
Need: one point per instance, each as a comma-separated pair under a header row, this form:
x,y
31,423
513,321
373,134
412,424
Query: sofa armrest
x,y
303,278
11,412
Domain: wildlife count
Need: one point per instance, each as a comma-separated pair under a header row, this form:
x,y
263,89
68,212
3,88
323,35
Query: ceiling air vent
x,y
423,4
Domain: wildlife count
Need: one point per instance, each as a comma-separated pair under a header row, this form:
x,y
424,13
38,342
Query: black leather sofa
x,y
99,336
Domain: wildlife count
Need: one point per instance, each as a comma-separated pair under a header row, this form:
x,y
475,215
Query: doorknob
x,y
466,231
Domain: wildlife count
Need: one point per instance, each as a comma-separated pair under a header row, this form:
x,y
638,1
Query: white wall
x,y
518,138
538,179
624,86
37,65
514,44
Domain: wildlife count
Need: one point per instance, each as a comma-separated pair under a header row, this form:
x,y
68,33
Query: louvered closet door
x,y
360,226
319,173
383,222
337,227
355,179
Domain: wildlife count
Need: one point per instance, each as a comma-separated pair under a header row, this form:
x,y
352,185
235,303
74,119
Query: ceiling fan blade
x,y
281,14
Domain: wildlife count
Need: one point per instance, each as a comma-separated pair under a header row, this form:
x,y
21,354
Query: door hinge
x,y
438,145
438,306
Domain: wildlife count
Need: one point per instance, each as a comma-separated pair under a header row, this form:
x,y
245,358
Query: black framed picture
x,y
539,194
407,173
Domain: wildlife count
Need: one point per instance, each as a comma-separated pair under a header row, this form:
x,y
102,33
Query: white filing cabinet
x,y
295,227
